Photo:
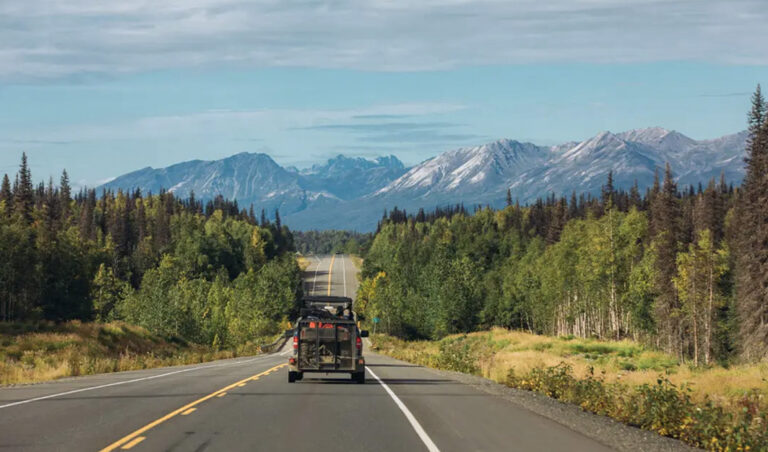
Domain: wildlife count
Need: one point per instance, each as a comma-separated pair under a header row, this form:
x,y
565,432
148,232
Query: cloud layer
x,y
61,38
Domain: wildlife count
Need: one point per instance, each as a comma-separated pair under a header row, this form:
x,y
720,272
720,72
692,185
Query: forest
x,y
208,273
331,241
684,269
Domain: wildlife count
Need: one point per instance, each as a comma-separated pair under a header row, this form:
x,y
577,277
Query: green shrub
x,y
541,346
456,354
662,407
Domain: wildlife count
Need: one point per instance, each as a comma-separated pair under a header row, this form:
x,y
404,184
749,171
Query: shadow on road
x,y
389,381
392,365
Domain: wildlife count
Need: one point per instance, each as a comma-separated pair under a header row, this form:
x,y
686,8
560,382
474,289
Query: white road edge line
x,y
344,272
431,447
314,281
118,383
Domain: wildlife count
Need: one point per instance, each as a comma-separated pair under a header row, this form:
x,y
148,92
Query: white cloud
x,y
54,38
220,123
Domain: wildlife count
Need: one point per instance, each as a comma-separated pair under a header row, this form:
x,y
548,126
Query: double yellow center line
x,y
135,438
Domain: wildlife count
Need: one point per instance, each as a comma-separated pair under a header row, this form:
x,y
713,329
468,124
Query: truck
x,y
326,339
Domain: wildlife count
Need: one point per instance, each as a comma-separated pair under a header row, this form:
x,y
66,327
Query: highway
x,y
247,404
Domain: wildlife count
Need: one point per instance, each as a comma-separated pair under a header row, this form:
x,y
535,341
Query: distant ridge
x,y
351,193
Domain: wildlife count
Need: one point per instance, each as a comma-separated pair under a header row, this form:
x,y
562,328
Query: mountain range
x,y
352,193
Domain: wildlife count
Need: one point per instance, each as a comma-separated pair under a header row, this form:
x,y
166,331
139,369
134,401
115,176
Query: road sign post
x,y
375,322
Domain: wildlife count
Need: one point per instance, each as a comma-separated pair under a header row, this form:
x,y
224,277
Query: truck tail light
x,y
292,360
295,342
359,343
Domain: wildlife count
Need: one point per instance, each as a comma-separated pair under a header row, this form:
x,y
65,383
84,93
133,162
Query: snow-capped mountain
x,y
259,180
350,178
467,170
245,177
484,173
351,193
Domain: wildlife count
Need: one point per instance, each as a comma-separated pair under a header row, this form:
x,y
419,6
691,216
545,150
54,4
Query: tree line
x,y
331,241
210,273
684,269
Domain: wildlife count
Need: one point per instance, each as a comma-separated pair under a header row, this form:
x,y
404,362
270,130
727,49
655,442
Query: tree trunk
x,y
710,313
694,303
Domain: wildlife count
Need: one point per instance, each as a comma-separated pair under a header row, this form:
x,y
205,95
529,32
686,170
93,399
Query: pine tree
x,y
6,196
752,261
509,197
665,213
87,223
634,196
557,221
192,201
51,209
141,221
162,232
608,191
65,194
278,224
24,194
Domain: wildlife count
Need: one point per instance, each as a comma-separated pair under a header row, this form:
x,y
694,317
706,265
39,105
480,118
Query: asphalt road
x,y
331,275
247,404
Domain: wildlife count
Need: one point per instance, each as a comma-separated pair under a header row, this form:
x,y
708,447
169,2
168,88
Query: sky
x,y
103,88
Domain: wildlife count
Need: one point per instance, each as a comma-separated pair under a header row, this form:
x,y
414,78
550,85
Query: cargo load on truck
x,y
326,339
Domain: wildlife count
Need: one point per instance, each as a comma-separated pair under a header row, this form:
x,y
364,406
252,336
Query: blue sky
x,y
102,88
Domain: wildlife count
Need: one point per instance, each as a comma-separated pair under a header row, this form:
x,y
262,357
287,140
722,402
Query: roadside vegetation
x,y
715,408
31,353
332,241
681,269
184,280
660,298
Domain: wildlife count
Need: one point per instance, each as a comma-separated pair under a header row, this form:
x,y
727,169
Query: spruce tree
x,y
24,194
87,224
608,191
634,196
65,193
278,224
6,195
192,201
752,260
665,214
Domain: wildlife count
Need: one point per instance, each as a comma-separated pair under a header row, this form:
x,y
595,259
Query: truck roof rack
x,y
310,301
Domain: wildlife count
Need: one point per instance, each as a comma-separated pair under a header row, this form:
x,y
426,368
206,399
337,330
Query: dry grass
x,y
43,352
497,351
357,260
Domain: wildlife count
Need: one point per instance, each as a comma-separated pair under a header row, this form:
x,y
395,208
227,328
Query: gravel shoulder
x,y
603,429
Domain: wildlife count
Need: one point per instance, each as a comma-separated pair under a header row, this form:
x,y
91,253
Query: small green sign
x,y
376,320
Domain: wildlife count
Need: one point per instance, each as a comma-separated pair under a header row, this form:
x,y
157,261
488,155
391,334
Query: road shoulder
x,y
600,428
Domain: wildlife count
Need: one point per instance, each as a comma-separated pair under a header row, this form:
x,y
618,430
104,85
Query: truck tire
x,y
291,376
359,377
299,376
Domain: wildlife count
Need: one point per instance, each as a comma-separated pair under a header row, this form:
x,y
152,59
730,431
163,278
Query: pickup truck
x,y
326,339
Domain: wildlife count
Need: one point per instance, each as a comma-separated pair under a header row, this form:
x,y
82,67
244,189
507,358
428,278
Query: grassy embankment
x,y
43,352
715,408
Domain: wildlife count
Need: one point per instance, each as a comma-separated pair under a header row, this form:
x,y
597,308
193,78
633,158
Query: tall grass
x,y
32,353
716,408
